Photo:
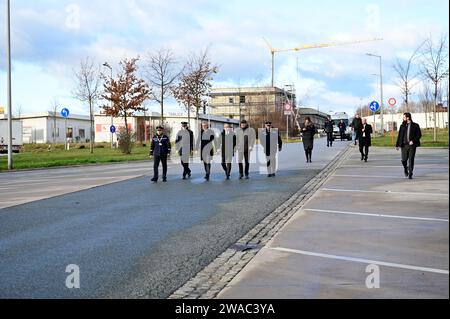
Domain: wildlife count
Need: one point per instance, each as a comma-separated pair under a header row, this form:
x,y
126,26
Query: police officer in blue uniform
x,y
160,150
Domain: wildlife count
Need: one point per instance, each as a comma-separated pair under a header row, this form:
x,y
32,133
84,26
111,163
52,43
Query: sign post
x,y
287,112
65,114
113,130
374,107
392,102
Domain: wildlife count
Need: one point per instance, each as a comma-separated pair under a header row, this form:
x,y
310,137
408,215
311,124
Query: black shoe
x,y
184,177
228,177
165,180
365,160
207,177
241,176
362,157
410,176
247,177
406,172
154,180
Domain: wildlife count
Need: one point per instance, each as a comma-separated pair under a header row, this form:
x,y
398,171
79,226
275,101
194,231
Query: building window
x,y
242,99
82,134
231,100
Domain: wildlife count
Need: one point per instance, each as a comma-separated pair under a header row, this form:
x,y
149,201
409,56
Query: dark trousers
x,y
364,150
342,135
186,169
308,153
244,156
157,160
207,168
408,156
330,139
271,164
227,168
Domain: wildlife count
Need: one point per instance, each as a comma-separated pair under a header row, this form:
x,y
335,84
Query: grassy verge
x,y
38,156
426,141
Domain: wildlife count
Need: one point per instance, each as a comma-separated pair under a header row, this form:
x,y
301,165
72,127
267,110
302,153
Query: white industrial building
x,y
144,126
425,120
49,127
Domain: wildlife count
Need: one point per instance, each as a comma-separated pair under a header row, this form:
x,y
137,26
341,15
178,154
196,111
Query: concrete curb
x,y
210,281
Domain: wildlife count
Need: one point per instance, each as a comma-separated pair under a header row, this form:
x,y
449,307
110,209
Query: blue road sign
x,y
112,129
374,106
65,112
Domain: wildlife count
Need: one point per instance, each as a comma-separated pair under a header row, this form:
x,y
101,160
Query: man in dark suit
x,y
356,127
365,140
185,147
329,126
246,139
271,141
408,140
227,145
205,145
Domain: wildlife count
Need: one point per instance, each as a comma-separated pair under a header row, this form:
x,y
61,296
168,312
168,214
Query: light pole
x,y
9,98
106,65
381,92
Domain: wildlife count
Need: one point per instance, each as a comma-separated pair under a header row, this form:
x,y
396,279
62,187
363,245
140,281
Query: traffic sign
x,y
392,102
374,106
112,129
65,112
287,109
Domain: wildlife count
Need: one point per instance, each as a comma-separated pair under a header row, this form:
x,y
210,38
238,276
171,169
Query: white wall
x,y
420,118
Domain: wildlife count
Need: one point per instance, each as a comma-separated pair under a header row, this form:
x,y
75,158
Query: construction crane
x,y
310,46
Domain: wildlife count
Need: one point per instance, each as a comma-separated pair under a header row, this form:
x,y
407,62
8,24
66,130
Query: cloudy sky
x,y
51,37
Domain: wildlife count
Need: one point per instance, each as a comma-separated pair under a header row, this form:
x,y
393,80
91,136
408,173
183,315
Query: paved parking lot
x,y
366,214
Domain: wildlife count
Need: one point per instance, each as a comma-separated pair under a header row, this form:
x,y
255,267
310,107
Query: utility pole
x,y
9,95
381,93
106,65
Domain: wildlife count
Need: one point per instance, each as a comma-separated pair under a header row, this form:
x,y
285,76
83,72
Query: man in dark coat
x,y
246,140
408,140
329,126
185,146
356,126
271,141
205,145
227,145
308,132
160,150
342,128
365,140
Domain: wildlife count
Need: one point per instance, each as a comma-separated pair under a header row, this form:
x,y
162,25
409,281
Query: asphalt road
x,y
131,238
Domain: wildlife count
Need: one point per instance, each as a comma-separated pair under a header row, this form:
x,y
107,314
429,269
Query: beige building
x,y
261,103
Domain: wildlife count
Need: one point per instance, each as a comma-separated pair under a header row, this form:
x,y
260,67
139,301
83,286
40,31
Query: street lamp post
x,y
106,65
9,96
381,92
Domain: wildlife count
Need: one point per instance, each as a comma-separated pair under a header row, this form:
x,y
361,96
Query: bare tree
x,y
127,94
161,74
435,68
88,90
195,82
405,78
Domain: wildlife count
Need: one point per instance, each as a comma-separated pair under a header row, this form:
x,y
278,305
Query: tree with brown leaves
x,y
126,93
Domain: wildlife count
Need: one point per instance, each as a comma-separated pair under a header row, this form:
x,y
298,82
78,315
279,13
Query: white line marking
x,y
380,192
376,215
362,260
368,176
397,167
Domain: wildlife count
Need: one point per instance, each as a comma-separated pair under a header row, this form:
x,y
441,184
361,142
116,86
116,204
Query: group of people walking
x,y
242,142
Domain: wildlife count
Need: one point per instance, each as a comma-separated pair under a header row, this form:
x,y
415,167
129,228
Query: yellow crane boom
x,y
311,46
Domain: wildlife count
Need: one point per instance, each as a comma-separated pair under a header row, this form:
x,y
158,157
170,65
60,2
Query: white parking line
x,y
375,215
367,176
362,260
381,192
396,166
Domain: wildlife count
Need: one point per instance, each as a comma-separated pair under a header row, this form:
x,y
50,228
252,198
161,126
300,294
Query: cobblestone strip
x,y
210,281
